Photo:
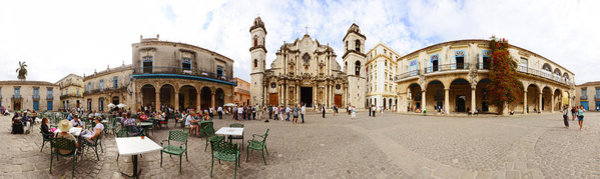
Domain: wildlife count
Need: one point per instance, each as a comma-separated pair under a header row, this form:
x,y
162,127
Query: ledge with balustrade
x,y
465,66
183,71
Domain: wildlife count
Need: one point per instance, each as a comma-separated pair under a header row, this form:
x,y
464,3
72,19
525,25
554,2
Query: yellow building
x,y
71,91
242,93
588,95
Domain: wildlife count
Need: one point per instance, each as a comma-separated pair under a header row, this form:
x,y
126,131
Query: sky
x,y
57,38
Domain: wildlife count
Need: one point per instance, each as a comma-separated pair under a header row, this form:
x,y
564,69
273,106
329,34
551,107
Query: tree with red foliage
x,y
504,87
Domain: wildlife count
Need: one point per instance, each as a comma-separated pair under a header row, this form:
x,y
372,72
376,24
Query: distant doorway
x,y
338,100
273,99
460,103
306,96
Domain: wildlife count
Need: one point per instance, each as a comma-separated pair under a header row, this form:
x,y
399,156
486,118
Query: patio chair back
x,y
178,135
236,125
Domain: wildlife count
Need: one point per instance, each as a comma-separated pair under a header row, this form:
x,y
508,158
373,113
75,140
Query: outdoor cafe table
x,y
230,131
75,131
145,125
135,146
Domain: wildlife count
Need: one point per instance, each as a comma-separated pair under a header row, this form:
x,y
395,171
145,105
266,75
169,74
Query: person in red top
x,y
143,117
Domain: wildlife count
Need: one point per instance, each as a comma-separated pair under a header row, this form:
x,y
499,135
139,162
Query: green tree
x,y
504,87
22,71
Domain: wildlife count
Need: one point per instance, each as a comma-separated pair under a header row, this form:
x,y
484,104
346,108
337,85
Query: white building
x,y
381,68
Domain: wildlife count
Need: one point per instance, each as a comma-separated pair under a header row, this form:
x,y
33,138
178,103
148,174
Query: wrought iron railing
x,y
17,96
446,67
583,97
182,71
50,97
36,97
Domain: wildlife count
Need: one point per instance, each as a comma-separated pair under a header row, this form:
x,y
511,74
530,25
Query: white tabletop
x,y
74,131
230,131
136,145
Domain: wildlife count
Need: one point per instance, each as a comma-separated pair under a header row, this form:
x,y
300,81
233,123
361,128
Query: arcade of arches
x,y
181,94
462,96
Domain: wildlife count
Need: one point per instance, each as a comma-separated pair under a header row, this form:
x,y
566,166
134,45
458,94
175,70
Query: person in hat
x,y
65,126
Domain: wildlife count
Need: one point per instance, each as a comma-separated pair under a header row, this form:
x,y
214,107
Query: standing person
x,y
276,111
287,112
220,112
574,112
281,112
580,117
240,112
374,110
302,112
353,112
566,116
349,109
254,108
234,116
270,112
370,111
211,112
323,110
295,113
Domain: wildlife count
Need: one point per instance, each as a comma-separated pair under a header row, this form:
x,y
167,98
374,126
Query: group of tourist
x,y
576,112
64,127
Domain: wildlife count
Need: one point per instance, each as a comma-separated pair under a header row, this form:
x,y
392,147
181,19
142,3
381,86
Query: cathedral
x,y
306,72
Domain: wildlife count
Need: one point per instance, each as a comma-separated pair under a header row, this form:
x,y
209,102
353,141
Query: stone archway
x,y
148,95
187,97
483,103
219,97
547,99
459,95
206,98
533,100
414,97
167,95
434,96
557,99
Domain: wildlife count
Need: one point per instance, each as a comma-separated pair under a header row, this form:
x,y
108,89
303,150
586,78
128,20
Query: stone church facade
x,y
306,72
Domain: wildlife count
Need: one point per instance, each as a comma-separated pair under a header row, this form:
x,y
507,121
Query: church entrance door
x,y
273,99
306,96
338,100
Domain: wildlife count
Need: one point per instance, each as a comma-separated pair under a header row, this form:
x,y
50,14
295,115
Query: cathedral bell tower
x,y
354,66
258,54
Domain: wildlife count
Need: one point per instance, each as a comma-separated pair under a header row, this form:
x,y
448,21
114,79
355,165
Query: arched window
x,y
346,45
255,63
357,45
357,68
255,41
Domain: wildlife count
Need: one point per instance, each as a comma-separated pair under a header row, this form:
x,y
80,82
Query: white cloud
x,y
58,38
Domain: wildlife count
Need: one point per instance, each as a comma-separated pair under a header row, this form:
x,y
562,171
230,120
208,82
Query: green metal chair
x,y
97,141
63,144
123,132
45,138
209,131
227,152
261,145
179,136
237,125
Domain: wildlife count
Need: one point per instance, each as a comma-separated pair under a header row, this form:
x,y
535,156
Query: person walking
x,y
369,111
220,112
574,112
353,112
276,111
240,112
349,109
270,112
566,116
323,110
580,117
295,113
302,112
374,110
281,112
287,112
234,112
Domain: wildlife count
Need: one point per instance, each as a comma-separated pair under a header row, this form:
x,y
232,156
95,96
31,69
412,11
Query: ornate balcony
x,y
182,71
36,97
49,97
583,97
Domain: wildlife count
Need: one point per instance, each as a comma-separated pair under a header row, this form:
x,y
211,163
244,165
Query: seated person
x,y
70,116
45,129
26,119
89,136
65,126
76,122
191,123
131,125
143,117
206,117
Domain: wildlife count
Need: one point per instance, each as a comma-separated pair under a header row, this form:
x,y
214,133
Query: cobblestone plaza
x,y
388,146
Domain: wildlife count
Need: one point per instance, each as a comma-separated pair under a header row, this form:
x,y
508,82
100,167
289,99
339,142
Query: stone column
x,y
212,99
297,94
473,99
552,105
328,95
423,101
198,100
315,95
540,103
157,103
447,100
286,94
177,99
525,102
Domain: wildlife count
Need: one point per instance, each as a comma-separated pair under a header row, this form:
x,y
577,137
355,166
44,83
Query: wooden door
x,y
273,99
338,100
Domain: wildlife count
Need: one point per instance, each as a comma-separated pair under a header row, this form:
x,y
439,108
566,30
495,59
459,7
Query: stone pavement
x,y
388,146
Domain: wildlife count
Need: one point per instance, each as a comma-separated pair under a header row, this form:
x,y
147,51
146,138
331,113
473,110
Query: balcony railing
x,y
17,96
49,97
447,67
36,97
182,71
583,97
597,97
242,91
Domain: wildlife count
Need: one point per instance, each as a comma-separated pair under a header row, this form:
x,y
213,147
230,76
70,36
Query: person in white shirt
x,y
211,112
287,111
240,113
276,112
302,112
91,135
220,112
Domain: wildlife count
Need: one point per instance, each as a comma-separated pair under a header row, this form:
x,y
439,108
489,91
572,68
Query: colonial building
x,y
164,74
32,95
107,87
179,75
307,72
588,95
242,93
381,68
453,75
71,91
